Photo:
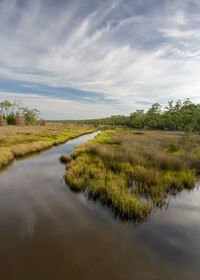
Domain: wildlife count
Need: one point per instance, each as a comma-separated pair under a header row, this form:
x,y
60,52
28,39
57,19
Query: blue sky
x,y
87,59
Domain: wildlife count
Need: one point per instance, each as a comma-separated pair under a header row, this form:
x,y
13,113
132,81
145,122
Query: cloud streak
x,y
127,52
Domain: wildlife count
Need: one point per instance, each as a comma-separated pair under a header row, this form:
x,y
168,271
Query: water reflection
x,y
48,232
175,233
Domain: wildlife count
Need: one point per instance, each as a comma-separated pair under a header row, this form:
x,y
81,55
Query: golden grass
x,y
16,141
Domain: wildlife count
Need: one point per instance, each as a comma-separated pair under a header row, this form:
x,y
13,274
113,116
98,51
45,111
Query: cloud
x,y
130,53
62,109
180,34
180,17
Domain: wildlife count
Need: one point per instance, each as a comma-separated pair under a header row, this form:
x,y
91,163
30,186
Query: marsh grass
x,y
16,141
64,158
108,165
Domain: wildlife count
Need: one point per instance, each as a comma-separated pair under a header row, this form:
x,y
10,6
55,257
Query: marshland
x,y
96,197
99,140
22,132
19,141
134,171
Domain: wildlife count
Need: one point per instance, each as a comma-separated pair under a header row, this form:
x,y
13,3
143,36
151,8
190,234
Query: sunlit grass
x,y
16,141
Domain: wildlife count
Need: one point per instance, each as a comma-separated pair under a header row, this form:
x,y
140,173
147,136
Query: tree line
x,y
14,113
179,115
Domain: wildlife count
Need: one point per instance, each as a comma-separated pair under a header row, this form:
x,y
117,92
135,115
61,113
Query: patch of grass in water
x,y
107,166
64,158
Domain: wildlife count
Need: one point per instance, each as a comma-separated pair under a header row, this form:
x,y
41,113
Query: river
x,y
48,232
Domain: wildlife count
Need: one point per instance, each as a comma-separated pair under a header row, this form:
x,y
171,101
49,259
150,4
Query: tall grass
x,y
158,163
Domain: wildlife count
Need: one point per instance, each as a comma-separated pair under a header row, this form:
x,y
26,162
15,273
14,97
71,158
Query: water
x,y
49,232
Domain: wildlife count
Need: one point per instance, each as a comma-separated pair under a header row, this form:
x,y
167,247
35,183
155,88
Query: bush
x,y
11,119
2,121
173,147
19,120
43,122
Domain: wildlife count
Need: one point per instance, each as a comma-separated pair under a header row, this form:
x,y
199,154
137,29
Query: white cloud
x,y
59,108
91,52
180,18
180,34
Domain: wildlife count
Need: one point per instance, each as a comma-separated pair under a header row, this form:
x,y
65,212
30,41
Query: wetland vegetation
x,y
131,170
18,141
134,171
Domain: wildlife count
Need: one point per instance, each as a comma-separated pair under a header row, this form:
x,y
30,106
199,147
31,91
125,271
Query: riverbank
x,y
17,141
134,171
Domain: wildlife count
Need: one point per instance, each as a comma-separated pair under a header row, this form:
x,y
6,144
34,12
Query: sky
x,y
82,59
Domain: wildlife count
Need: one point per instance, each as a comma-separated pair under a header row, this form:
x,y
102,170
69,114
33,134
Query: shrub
x,y
11,119
19,120
2,120
173,147
43,122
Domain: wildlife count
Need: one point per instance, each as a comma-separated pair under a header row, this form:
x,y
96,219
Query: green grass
x,y
64,158
16,141
109,165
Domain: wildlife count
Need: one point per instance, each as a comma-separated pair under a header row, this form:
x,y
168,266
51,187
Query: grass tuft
x,y
64,158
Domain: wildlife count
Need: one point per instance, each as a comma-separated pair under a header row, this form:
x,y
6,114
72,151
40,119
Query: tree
x,y
136,119
16,113
2,121
153,118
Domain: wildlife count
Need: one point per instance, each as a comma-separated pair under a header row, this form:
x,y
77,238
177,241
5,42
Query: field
x,y
18,141
134,171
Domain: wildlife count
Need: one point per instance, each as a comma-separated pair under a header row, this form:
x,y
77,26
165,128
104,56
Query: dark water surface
x,y
48,232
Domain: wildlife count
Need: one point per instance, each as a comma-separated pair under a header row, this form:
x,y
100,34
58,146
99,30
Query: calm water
x,y
48,232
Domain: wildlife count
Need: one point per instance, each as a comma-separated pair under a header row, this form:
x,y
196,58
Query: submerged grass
x,y
18,141
134,172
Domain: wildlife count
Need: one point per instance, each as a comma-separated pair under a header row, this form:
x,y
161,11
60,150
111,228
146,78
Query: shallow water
x,y
49,232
